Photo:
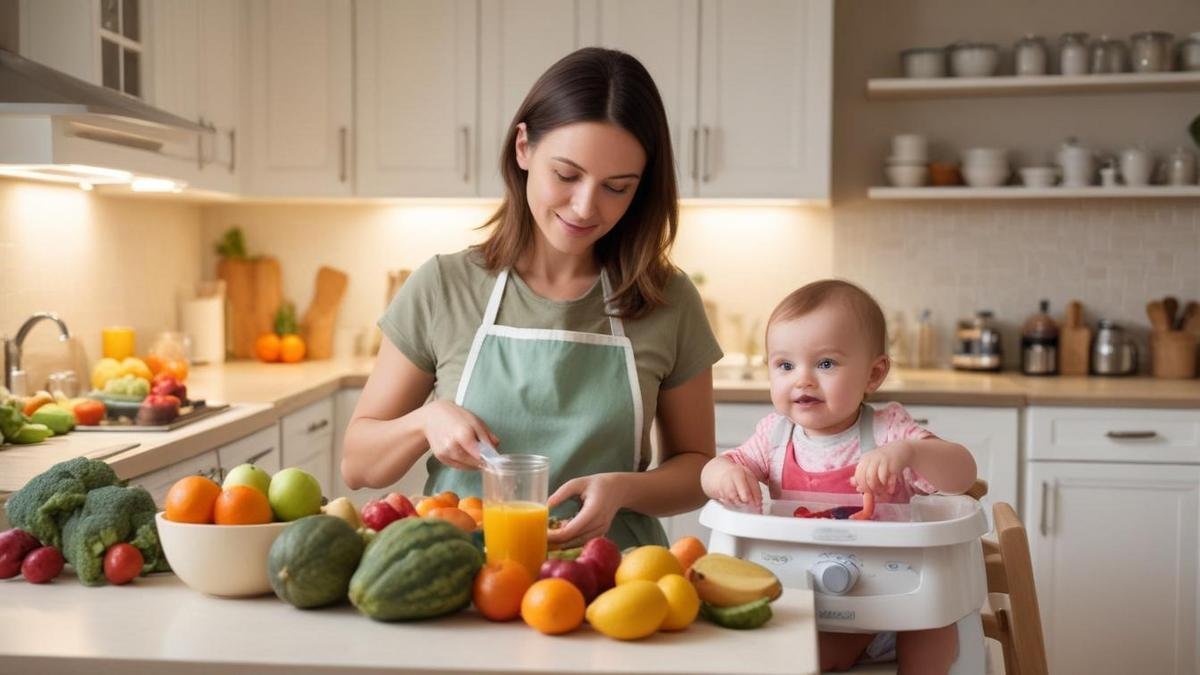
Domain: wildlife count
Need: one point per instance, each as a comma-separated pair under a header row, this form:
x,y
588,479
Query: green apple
x,y
248,474
294,493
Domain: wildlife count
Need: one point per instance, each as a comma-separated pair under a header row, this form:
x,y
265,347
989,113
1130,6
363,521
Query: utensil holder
x,y
1173,354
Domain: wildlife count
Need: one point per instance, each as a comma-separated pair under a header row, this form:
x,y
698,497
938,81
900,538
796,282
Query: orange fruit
x,y
192,500
476,514
449,498
154,362
267,347
456,517
498,589
291,348
467,503
427,505
177,368
553,606
687,550
242,505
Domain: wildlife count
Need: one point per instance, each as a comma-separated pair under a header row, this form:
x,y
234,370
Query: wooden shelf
x,y
1045,85
1018,192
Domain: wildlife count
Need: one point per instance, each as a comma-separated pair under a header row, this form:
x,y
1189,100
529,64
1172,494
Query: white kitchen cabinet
x,y
157,483
300,98
306,442
413,483
1115,556
751,117
1112,507
260,448
416,78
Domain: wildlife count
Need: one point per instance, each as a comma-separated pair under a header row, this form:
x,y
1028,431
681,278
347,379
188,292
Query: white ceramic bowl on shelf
x,y
907,175
222,560
986,175
982,156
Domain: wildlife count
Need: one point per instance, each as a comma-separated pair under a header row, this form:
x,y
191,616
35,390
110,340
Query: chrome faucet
x,y
14,377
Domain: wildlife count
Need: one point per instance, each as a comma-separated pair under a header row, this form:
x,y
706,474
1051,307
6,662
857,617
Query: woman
x,y
515,337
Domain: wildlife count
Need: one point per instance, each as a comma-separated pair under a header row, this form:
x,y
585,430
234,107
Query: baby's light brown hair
x,y
820,293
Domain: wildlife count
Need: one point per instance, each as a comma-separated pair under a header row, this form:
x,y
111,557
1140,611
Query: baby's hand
x,y
737,487
879,470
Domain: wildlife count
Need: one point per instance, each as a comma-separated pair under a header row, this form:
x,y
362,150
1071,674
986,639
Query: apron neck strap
x,y
866,429
615,325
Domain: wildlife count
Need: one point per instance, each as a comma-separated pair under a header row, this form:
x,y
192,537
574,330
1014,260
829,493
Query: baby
x,y
825,353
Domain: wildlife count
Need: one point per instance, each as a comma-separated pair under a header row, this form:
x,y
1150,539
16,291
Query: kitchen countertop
x,y
263,393
158,625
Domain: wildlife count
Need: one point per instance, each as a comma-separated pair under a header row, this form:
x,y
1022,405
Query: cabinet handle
x,y
315,426
921,421
264,453
695,153
1122,435
1045,507
342,131
200,146
466,138
232,149
707,154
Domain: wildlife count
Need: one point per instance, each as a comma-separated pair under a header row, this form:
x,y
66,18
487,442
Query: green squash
x,y
311,562
416,568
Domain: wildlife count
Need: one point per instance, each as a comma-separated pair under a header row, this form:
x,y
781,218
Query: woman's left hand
x,y
602,495
879,471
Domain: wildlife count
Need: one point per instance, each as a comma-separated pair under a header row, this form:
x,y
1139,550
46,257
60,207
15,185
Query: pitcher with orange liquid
x,y
515,516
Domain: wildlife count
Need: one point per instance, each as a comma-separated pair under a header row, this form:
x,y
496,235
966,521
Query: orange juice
x,y
516,531
117,342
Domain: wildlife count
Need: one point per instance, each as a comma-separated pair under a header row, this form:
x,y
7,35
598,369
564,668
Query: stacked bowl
x,y
985,167
908,165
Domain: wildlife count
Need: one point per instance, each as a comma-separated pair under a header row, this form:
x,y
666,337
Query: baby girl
x,y
825,353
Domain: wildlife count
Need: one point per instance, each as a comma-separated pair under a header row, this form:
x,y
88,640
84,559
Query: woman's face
x,y
581,179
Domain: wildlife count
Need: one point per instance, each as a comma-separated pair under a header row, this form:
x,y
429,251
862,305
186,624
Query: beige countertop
x,y
158,625
263,393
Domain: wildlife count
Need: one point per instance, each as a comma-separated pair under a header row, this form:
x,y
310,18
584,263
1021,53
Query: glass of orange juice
x,y
515,516
117,342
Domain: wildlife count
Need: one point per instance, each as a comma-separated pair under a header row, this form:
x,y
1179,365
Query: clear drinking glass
x,y
515,516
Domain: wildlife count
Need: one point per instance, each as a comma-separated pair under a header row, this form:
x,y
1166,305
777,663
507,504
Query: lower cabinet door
x,y
1115,553
157,483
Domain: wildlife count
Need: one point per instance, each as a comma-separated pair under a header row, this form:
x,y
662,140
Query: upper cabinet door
x,y
520,39
300,98
175,46
220,58
765,98
663,35
416,86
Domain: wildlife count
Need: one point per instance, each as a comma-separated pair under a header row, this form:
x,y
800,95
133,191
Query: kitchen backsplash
x,y
94,260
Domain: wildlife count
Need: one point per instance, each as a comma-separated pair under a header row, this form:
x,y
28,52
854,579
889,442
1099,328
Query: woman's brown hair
x,y
819,293
599,85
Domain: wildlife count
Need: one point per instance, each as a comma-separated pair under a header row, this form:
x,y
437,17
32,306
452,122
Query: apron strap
x,y
866,429
493,306
781,432
615,325
614,322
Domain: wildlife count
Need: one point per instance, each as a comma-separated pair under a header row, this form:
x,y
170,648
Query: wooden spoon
x,y
1171,304
1158,316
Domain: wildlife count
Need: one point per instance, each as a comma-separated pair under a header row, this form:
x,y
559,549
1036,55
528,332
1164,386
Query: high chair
x,y
1012,617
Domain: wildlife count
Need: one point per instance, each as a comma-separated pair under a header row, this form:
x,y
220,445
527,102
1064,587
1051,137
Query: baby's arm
x,y
948,466
731,483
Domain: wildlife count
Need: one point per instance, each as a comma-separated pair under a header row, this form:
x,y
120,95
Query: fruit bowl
x,y
222,560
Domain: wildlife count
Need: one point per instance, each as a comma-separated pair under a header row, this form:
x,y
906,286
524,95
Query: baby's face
x,y
820,366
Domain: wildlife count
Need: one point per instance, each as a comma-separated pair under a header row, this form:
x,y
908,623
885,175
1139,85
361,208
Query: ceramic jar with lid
x,y
974,59
1078,164
1030,55
1151,51
1073,54
924,62
1181,167
1189,52
1109,55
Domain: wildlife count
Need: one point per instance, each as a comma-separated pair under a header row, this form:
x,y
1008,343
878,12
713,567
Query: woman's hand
x,y
602,495
453,433
879,471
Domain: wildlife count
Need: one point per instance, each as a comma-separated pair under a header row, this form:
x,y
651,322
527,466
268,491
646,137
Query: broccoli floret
x,y
110,514
43,506
146,540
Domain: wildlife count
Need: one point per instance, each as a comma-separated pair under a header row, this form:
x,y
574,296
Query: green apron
x,y
567,395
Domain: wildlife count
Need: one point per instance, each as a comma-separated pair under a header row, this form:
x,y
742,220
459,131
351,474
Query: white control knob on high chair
x,y
835,575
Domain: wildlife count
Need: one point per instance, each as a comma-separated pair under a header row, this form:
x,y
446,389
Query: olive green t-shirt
x,y
434,317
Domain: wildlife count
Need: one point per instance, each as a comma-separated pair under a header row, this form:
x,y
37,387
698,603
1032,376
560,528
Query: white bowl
x,y
910,148
907,175
974,60
984,156
223,560
1039,176
985,175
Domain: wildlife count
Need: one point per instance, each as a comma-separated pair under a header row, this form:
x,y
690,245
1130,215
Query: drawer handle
x,y
921,421
255,458
1124,435
315,426
1045,507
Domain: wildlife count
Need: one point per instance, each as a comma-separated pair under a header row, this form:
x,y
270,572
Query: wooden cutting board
x,y
1075,342
319,321
395,280
253,291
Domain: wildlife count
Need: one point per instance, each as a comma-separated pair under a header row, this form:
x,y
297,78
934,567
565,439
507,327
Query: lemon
x,y
649,563
630,611
683,602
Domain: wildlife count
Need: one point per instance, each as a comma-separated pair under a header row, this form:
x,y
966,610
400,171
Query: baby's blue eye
x,y
786,365
825,364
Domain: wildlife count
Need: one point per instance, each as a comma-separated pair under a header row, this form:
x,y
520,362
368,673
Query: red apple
x,y
14,546
602,554
579,574
378,514
401,503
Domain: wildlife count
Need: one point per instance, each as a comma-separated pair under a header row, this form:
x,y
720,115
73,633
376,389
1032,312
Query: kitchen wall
x,y
956,257
750,255
94,260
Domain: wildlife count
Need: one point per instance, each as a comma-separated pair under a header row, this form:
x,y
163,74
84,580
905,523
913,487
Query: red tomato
x,y
89,412
122,562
